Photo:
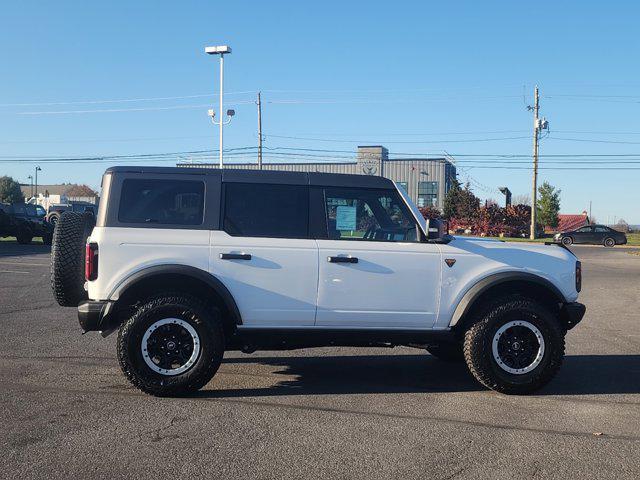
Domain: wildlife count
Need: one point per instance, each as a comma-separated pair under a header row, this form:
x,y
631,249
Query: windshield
x,y
415,211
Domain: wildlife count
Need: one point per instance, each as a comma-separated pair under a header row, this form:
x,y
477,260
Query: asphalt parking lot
x,y
67,412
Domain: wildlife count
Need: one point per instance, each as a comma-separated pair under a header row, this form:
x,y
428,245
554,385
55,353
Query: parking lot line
x,y
12,271
25,263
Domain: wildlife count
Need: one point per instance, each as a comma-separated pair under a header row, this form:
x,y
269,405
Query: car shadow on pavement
x,y
14,249
378,374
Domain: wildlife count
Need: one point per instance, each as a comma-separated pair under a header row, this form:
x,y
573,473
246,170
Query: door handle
x,y
342,259
235,256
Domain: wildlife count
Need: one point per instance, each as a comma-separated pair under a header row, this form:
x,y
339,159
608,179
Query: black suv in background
x,y
593,235
57,209
24,221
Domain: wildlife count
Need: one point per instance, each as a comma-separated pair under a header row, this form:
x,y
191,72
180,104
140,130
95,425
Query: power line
x,y
122,100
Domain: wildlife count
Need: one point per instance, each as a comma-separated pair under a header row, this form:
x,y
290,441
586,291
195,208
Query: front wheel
x,y
567,241
516,347
172,345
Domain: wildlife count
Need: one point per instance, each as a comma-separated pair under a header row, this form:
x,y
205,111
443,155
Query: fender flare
x,y
186,270
486,283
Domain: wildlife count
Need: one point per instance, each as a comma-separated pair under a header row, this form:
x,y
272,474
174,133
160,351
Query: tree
x,y
451,199
468,204
521,200
548,205
10,191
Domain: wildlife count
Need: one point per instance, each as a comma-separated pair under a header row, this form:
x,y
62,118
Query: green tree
x,y
548,205
10,190
451,199
468,204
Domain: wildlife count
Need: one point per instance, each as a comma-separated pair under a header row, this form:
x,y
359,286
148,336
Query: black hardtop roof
x,y
266,176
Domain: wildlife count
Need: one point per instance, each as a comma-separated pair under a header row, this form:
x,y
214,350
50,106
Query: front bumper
x,y
572,313
95,315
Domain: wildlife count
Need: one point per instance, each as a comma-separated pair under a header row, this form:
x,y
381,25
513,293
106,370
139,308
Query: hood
x,y
524,254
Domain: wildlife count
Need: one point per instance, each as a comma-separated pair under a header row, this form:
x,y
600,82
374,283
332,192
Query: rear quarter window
x,y
161,202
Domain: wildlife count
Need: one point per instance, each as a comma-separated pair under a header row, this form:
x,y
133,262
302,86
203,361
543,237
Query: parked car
x,y
24,221
187,264
593,235
57,209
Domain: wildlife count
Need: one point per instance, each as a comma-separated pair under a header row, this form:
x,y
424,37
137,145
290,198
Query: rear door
x,y
373,269
264,255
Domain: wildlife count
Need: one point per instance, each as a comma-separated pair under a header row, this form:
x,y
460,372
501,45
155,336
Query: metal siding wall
x,y
399,170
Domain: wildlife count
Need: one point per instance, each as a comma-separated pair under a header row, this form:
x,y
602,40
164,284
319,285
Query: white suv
x,y
189,263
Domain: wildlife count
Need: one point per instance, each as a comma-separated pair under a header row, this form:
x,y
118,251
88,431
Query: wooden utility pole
x,y
534,191
259,133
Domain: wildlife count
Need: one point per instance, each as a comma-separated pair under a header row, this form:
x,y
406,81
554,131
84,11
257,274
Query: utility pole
x,y
534,191
590,221
259,133
38,169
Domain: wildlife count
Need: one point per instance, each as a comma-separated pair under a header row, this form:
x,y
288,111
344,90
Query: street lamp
x,y
220,50
30,177
38,169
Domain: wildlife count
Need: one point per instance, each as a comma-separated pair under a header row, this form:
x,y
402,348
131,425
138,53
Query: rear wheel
x,y
516,347
24,236
172,345
609,242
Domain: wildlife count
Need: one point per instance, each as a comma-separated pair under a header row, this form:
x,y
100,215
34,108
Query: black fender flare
x,y
186,270
490,281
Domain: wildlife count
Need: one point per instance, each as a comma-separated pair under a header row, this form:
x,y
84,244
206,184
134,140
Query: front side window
x,y
363,214
163,202
427,194
263,210
584,230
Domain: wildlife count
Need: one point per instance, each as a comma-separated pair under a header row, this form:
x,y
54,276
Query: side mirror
x,y
435,229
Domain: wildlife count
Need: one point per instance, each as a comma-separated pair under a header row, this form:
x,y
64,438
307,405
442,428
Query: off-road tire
x,y
203,318
567,241
609,242
68,256
447,352
24,236
478,345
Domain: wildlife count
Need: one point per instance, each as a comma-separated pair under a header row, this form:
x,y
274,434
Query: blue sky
x,y
417,77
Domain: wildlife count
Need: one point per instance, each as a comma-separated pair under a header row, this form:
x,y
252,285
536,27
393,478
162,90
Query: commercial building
x,y
426,180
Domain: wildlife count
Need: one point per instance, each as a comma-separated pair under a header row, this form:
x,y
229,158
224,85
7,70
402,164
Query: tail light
x,y
91,261
578,276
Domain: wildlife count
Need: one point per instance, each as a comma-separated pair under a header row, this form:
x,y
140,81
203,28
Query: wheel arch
x,y
183,278
499,284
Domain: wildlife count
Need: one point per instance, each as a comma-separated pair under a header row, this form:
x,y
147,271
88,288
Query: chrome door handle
x,y
235,256
342,259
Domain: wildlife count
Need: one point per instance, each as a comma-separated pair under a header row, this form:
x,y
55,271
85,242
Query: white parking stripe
x,y
25,263
12,271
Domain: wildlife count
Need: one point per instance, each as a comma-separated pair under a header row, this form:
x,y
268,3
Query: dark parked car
x,y
593,235
56,210
24,221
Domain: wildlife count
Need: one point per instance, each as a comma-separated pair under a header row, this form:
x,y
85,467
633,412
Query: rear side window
x,y
262,210
163,202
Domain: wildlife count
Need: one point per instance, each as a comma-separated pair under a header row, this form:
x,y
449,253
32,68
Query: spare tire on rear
x,y
67,257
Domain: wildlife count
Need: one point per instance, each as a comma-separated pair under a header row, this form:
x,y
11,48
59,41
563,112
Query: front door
x,y
264,256
373,269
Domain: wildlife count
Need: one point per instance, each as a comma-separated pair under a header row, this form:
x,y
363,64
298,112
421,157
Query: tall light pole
x,y
38,169
30,177
220,50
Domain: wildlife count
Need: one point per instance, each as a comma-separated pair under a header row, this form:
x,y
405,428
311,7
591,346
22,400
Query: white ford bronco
x,y
188,263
